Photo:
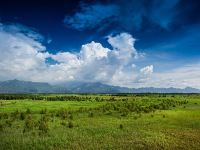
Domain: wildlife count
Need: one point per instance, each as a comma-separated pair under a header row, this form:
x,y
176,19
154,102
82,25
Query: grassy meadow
x,y
92,122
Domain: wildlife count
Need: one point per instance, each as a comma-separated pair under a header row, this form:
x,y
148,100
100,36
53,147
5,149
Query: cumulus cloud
x,y
145,74
20,52
99,64
124,45
24,57
185,76
146,71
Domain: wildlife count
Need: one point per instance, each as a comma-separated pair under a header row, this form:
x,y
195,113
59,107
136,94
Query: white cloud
x,y
148,70
20,52
93,51
24,57
124,45
185,76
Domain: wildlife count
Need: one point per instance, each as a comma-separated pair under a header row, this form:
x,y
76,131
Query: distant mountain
x,y
97,87
17,86
165,90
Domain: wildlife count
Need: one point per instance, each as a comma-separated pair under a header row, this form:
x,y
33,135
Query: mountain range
x,y
17,86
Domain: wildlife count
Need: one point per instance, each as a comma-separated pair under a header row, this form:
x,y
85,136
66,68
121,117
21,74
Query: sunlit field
x,y
132,121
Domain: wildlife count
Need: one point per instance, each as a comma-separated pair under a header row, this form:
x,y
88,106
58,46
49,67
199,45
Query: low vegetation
x,y
120,121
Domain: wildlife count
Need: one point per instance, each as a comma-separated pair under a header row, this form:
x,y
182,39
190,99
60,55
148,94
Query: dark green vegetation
x,y
124,121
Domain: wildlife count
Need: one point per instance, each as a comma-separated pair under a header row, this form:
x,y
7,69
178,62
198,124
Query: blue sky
x,y
136,43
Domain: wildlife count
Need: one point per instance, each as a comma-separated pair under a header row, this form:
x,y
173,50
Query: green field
x,y
132,121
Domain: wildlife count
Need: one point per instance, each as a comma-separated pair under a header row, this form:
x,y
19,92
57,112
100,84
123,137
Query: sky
x,y
135,43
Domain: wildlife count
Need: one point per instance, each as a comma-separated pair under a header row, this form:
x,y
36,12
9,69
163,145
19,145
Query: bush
x,y
63,123
29,123
28,111
63,113
109,112
124,111
121,126
71,116
1,127
22,116
15,114
9,123
91,114
45,118
5,116
43,111
70,124
43,126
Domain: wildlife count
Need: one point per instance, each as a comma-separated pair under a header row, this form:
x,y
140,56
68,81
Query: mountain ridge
x,y
17,86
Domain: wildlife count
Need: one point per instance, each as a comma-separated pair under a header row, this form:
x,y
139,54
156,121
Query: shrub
x,y
43,111
28,111
63,123
146,110
112,99
91,114
29,123
22,116
81,109
9,123
15,114
124,114
1,127
43,126
121,126
5,115
135,117
109,112
124,111
63,113
70,124
140,115
71,116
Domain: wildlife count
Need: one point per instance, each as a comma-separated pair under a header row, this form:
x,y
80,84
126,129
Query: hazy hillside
x,y
16,86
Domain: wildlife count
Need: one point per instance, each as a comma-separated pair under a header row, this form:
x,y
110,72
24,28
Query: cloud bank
x,y
185,76
24,57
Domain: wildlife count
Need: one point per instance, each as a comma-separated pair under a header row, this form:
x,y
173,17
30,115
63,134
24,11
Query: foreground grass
x,y
96,125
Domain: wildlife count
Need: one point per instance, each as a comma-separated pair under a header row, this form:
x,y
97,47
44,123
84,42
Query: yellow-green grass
x,y
37,105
